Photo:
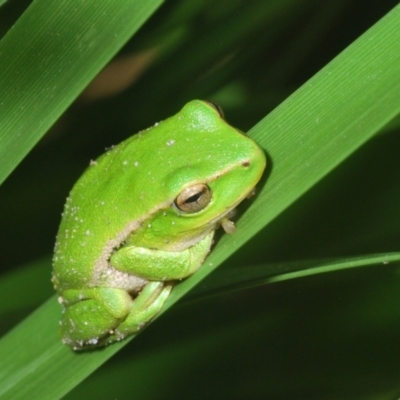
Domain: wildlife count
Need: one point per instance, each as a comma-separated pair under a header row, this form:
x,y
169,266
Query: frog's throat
x,y
102,263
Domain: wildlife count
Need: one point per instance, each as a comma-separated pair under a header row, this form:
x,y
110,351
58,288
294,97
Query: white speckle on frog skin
x,y
171,142
125,163
136,163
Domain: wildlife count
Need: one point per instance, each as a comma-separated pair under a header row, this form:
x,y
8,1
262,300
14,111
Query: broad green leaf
x,y
47,59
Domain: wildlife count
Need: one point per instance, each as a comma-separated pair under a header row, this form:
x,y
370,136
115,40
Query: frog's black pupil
x,y
194,198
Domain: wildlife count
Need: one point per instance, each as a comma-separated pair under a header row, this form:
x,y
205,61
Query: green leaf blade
x,y
61,47
330,116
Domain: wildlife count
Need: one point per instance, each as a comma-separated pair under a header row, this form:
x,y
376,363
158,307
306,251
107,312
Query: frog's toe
x,y
145,307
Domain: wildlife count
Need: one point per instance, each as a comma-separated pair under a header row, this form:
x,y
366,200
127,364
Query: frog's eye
x,y
217,108
193,198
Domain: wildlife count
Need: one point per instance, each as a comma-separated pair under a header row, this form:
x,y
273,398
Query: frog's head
x,y
204,169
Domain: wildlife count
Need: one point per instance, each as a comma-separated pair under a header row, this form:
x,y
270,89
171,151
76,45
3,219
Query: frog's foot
x,y
145,307
99,316
91,314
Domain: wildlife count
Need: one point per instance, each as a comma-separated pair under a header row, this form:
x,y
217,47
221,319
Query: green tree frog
x,y
143,216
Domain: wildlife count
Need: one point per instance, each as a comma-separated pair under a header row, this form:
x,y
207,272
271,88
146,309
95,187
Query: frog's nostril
x,y
246,164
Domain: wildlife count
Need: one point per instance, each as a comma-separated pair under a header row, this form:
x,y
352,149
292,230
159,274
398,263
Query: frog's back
x,y
94,220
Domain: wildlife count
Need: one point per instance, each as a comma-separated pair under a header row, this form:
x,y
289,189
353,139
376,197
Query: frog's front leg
x,y
145,307
160,265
